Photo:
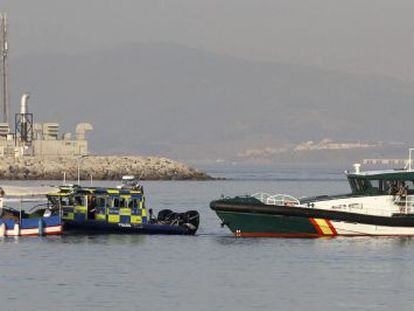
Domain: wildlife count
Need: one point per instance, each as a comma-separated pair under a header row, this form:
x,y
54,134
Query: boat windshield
x,y
371,186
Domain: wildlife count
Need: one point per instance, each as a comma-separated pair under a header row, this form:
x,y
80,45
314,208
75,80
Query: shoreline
x,y
99,167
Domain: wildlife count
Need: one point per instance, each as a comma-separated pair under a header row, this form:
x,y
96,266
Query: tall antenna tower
x,y
4,74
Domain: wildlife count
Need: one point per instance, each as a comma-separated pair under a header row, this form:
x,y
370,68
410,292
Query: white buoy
x,y
3,230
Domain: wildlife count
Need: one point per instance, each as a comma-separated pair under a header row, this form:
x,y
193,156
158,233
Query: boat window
x,y
361,185
357,186
378,186
365,185
375,184
123,203
391,187
80,200
409,186
64,201
133,203
100,202
352,184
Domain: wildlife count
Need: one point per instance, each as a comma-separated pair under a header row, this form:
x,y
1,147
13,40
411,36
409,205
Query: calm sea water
x,y
213,270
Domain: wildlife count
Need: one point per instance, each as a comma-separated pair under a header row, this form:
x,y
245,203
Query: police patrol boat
x,y
117,210
381,203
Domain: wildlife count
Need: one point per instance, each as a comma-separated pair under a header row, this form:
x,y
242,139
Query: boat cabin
x,y
386,182
111,205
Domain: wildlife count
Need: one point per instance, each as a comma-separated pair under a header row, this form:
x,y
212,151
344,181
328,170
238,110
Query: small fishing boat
x,y
40,220
381,203
30,226
117,210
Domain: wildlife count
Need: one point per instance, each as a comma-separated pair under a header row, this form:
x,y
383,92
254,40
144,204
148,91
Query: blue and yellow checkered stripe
x,y
135,215
78,213
127,215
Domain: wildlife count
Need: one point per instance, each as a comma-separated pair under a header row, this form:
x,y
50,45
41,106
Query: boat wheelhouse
x,y
381,203
80,204
117,210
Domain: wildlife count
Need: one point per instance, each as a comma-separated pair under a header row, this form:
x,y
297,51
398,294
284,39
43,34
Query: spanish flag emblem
x,y
323,226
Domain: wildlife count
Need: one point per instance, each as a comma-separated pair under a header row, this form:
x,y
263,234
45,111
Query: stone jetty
x,y
99,167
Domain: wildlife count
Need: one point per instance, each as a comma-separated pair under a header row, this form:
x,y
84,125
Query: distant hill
x,y
195,105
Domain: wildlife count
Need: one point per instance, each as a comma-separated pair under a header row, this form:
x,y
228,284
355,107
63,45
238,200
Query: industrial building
x,y
40,139
24,137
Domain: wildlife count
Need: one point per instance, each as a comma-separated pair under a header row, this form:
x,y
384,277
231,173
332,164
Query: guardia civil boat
x,y
381,203
117,210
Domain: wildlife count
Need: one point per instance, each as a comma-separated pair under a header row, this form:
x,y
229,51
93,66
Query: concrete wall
x,y
60,147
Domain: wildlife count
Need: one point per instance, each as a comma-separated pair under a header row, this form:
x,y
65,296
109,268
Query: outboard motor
x,y
192,220
164,215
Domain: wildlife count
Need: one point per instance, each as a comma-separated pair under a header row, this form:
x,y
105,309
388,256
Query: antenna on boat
x,y
410,159
4,51
140,175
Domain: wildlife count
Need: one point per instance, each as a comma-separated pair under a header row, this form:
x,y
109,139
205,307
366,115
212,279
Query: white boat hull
x,y
356,229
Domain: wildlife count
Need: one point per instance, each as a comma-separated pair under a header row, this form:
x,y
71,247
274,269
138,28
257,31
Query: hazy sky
x,y
370,36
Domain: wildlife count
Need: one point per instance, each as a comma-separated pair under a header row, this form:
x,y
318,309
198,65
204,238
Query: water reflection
x,y
104,239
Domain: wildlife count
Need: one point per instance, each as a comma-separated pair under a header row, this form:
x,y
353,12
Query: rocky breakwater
x,y
99,167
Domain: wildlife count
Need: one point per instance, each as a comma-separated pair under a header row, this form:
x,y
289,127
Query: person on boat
x,y
392,190
91,207
402,190
2,193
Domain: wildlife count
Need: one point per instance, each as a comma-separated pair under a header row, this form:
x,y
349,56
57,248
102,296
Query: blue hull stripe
x,y
32,223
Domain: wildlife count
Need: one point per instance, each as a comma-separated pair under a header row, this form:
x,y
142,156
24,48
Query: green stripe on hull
x,y
256,224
